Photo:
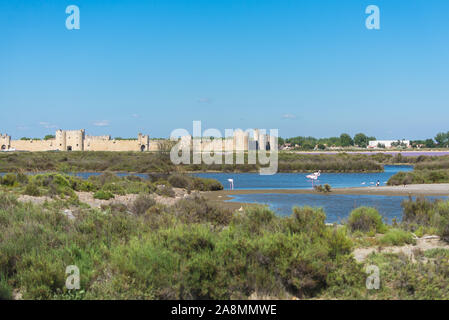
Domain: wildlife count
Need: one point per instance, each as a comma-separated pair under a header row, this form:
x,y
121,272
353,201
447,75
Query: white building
x,y
387,143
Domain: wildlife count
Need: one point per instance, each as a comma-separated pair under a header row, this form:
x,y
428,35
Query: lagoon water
x,y
245,181
337,207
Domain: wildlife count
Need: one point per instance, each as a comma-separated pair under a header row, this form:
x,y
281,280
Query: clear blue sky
x,y
305,67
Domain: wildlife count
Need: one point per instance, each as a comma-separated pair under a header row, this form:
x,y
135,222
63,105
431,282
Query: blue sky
x,y
304,67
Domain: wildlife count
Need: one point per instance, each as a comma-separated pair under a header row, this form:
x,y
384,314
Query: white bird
x,y
314,176
231,184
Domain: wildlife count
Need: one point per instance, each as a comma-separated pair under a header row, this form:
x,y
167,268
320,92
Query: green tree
x,y
429,143
346,140
442,139
362,140
281,141
49,137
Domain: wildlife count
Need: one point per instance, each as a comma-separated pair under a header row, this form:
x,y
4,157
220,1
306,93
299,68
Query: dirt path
x,y
88,198
424,244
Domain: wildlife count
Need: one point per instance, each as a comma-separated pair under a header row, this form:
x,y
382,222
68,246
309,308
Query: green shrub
x,y
5,288
437,252
204,184
179,181
319,188
419,177
142,204
307,219
22,178
86,186
397,237
103,195
7,201
9,180
366,219
32,190
426,214
114,188
199,210
166,191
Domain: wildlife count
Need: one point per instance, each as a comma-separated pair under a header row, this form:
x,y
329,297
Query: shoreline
x,y
223,196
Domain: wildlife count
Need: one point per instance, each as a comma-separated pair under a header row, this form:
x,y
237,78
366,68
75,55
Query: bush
x,y
397,237
179,181
426,214
32,190
366,219
7,201
319,188
199,210
103,195
142,204
166,191
204,184
9,180
22,178
307,219
114,188
5,289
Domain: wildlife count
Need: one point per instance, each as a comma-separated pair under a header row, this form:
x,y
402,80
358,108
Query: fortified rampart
x,y
77,140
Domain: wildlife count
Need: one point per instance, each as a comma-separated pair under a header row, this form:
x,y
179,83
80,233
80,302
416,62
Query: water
x,y
251,181
336,207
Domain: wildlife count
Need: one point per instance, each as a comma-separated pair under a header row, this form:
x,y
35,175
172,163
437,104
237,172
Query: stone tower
x,y
60,140
5,142
70,140
144,142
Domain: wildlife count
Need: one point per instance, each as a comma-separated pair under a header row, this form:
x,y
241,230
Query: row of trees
x,y
361,140
441,140
344,140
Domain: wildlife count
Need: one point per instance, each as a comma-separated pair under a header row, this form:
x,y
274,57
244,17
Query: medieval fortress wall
x,y
77,140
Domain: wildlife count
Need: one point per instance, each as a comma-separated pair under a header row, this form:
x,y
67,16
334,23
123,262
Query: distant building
x,y
388,143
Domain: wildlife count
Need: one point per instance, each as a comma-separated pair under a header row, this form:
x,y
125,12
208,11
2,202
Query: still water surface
x,y
337,207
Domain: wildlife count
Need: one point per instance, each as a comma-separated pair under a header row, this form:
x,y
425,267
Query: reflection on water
x,y
337,207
